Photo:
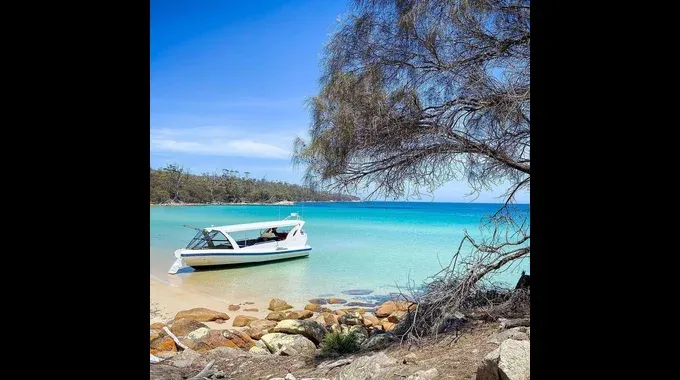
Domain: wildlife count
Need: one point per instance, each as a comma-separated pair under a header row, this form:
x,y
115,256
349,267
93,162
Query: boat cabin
x,y
245,235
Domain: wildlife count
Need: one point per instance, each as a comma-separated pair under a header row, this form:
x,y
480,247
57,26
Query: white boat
x,y
244,243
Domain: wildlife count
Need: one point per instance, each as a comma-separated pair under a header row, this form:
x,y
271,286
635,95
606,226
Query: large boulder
x,y
182,327
243,320
278,305
201,314
258,328
510,361
370,320
287,344
367,367
199,333
309,329
390,307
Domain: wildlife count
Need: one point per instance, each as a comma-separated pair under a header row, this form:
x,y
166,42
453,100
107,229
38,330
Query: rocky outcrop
x,y
288,344
201,314
307,328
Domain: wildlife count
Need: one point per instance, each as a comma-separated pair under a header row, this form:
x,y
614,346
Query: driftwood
x,y
510,323
204,371
167,330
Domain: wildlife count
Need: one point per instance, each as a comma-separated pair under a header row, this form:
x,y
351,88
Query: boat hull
x,y
230,258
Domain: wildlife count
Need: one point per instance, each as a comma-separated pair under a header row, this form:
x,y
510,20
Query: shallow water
x,y
372,246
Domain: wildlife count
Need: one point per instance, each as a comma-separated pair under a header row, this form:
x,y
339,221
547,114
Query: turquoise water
x,y
363,245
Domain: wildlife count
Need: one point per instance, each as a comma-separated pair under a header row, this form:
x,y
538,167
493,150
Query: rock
x,y
299,314
249,303
396,316
510,361
288,344
289,376
378,342
279,305
201,314
514,361
260,327
198,333
154,334
276,316
318,301
243,320
239,338
262,324
185,358
259,343
163,344
388,326
510,323
221,353
326,319
357,292
352,318
309,329
360,304
252,309
360,333
355,310
313,307
430,374
234,307
326,310
516,333
259,351
182,327
367,367
340,313
157,326
220,321
212,340
390,307
334,300
370,320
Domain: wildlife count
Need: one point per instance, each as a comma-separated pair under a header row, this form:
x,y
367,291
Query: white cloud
x,y
221,141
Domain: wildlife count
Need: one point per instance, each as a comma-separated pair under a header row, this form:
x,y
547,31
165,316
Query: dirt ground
x,y
453,359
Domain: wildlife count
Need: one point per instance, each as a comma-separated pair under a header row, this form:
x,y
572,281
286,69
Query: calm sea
x,y
376,246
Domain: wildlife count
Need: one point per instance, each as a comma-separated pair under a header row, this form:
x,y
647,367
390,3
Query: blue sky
x,y
229,80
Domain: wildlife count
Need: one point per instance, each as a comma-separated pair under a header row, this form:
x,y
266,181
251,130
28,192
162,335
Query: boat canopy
x,y
254,226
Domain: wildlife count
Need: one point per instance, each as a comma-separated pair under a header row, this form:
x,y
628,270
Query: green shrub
x,y
339,343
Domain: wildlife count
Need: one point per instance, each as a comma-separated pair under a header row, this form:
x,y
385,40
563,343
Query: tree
x,y
415,94
176,176
212,183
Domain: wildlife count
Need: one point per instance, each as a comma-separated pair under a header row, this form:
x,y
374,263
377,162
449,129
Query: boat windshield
x,y
209,240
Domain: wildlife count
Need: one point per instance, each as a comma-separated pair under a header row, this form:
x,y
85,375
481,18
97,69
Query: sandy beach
x,y
166,300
